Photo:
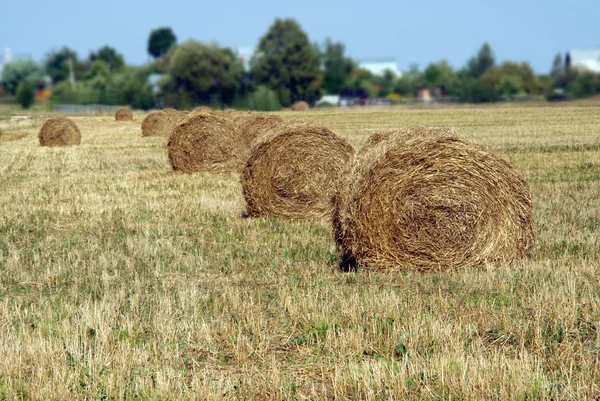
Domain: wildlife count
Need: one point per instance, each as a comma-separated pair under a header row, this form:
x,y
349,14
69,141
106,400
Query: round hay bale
x,y
202,109
252,126
300,106
206,142
295,172
424,199
59,131
123,114
160,123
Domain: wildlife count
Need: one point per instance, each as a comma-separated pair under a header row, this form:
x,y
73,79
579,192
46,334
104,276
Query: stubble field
x,y
120,279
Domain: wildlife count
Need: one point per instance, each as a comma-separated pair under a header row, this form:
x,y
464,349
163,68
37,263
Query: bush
x,y
26,93
264,99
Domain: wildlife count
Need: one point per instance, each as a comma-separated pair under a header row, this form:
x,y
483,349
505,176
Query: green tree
x,y
204,73
410,81
110,56
484,60
19,70
160,41
263,99
56,64
520,74
26,93
286,62
337,67
439,73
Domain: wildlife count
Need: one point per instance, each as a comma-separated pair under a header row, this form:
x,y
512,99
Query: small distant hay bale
x,y
424,199
300,106
295,172
252,126
206,142
123,114
160,122
59,131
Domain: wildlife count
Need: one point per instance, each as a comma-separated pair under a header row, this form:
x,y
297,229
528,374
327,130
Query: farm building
x,y
583,58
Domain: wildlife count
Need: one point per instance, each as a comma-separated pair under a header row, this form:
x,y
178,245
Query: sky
x,y
418,32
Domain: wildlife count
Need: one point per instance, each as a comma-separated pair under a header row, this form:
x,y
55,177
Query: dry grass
x,y
121,279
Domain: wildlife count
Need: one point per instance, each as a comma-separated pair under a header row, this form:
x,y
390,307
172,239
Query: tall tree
x,y
204,72
56,64
160,41
337,67
110,56
484,60
287,63
438,73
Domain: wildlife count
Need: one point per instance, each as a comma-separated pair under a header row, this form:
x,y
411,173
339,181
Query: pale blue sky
x,y
411,31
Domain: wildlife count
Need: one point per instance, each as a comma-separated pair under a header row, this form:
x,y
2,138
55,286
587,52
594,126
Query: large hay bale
x,y
295,172
300,106
252,126
425,199
206,142
59,131
160,122
123,114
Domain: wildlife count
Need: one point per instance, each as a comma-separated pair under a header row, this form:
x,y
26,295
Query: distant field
x,y
120,279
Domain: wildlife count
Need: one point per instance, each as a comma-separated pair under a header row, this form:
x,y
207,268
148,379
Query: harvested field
x,y
123,279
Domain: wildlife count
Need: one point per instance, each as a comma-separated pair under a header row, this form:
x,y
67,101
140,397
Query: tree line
x,y
286,67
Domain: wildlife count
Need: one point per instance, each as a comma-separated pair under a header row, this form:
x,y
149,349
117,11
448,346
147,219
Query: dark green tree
x,y
439,73
17,71
287,63
205,73
26,93
56,64
337,67
110,56
160,41
483,61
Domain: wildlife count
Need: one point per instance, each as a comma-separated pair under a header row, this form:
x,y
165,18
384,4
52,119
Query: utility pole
x,y
71,75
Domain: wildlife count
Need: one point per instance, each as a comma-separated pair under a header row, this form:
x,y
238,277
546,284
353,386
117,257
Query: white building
x,y
379,66
245,54
584,58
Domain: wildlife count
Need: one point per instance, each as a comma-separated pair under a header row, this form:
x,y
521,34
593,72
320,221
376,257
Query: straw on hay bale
x,y
123,114
300,106
252,126
160,122
206,142
425,199
295,172
202,109
59,131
